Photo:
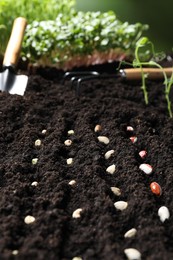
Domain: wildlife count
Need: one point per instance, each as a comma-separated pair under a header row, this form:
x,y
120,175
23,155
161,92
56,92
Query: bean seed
x,y
133,139
146,168
29,219
72,182
111,169
163,213
44,131
69,161
130,233
76,213
34,161
15,252
68,142
76,258
130,128
103,139
71,132
97,128
38,142
108,154
132,254
142,154
116,191
121,205
155,188
34,183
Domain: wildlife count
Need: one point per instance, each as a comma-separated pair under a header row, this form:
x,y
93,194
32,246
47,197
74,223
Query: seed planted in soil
x,y
97,128
38,142
103,139
155,188
121,205
146,168
111,169
44,131
132,254
116,191
76,213
34,183
69,161
34,161
130,128
133,139
163,213
142,154
29,219
108,154
70,132
76,258
72,182
15,252
68,142
130,233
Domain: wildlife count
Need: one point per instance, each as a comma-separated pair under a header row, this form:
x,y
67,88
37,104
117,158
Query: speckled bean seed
x,y
132,254
103,139
146,168
163,213
108,154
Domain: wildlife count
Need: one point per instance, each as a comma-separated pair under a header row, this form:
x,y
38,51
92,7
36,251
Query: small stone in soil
x,y
29,219
130,233
142,154
132,254
76,213
34,183
103,139
111,169
163,213
97,128
108,154
38,142
69,161
121,205
146,168
116,191
68,142
34,161
70,132
130,128
133,139
72,182
155,188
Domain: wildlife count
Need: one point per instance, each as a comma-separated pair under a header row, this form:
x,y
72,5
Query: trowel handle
x,y
12,52
152,73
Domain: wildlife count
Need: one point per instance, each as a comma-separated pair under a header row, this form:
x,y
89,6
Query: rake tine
x,y
86,78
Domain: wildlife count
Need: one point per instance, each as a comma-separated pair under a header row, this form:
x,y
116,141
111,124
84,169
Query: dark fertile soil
x,y
99,232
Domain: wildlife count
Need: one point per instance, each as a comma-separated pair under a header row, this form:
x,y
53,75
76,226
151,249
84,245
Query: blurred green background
x,y
158,14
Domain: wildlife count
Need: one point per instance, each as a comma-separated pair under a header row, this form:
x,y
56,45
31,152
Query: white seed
x,y
97,128
111,169
130,128
121,205
72,182
38,142
116,191
15,252
76,213
29,219
44,131
108,154
142,154
34,183
132,254
69,161
146,168
133,139
34,161
130,233
70,132
163,213
68,142
103,139
77,258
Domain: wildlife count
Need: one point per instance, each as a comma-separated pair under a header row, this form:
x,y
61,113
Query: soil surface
x,y
52,105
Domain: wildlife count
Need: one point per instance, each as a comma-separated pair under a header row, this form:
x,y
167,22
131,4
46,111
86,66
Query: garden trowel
x,y
9,80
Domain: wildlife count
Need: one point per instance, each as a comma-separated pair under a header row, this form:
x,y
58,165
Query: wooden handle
x,y
152,73
12,52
